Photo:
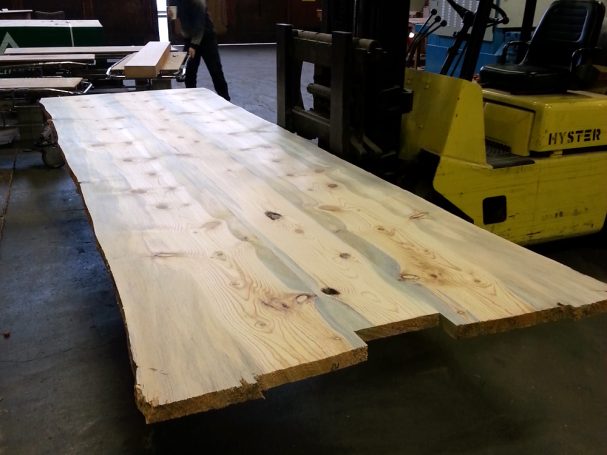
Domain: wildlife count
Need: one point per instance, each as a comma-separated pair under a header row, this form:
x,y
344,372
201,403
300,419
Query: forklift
x,y
522,152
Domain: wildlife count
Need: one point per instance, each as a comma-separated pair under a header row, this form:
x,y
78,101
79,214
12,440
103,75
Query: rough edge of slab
x,y
154,413
400,327
558,313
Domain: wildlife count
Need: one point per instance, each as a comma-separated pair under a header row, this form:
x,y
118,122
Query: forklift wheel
x,y
52,157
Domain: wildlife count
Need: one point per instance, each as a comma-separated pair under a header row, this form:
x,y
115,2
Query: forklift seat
x,y
567,33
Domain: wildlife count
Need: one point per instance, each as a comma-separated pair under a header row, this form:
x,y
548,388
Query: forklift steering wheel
x,y
501,16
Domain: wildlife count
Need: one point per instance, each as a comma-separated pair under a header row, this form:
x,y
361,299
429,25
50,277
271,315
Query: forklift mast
x,y
386,21
358,89
382,96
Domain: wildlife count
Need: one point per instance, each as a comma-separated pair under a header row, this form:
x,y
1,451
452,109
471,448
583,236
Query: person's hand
x,y
191,52
172,12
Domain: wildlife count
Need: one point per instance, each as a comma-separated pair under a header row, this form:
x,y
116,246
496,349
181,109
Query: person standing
x,y
200,41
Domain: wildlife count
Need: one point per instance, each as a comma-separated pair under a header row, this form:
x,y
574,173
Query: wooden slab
x,y
245,257
61,83
147,62
97,50
37,58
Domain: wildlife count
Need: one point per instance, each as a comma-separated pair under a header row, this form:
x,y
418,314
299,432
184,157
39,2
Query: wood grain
x,y
147,62
245,257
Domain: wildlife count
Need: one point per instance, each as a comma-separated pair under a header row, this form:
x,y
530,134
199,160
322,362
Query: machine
x,y
524,153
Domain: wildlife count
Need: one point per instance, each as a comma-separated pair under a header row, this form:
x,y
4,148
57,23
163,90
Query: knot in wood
x,y
303,298
330,291
273,215
408,277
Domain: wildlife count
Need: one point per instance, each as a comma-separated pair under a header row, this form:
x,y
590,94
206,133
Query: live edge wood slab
x,y
245,257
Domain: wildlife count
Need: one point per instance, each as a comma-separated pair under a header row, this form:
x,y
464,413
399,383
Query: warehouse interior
x,y
67,383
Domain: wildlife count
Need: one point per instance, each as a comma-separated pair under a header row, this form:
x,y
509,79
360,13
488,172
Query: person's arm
x,y
171,7
196,38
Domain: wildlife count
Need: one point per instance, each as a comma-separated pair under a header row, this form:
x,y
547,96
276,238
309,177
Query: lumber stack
x,y
245,257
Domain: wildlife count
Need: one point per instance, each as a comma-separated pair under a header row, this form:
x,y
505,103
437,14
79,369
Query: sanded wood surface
x,y
97,50
61,83
42,58
245,257
147,62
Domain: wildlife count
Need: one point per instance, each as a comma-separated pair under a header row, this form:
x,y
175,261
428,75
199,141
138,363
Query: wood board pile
x,y
245,257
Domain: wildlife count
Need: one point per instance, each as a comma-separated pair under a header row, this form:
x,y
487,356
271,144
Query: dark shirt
x,y
194,19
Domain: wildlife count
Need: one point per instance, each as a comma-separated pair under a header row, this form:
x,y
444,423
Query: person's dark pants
x,y
209,51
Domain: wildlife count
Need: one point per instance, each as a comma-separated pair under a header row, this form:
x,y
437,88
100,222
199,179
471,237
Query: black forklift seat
x,y
566,35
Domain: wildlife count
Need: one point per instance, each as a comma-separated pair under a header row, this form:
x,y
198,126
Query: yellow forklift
x,y
523,153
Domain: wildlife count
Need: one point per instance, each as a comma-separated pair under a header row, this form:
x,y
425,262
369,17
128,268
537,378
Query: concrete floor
x,y
66,384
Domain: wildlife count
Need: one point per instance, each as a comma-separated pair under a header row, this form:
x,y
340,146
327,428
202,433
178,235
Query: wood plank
x,y
37,58
97,50
61,83
245,257
147,62
170,66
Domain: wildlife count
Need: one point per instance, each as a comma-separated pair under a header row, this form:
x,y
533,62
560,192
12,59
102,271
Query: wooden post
x,y
341,49
284,76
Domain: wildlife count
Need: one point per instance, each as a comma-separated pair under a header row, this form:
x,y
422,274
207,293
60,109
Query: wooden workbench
x,y
98,51
34,32
58,83
45,58
245,257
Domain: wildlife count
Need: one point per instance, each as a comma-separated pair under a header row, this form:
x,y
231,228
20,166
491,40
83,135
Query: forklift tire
x,y
52,157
